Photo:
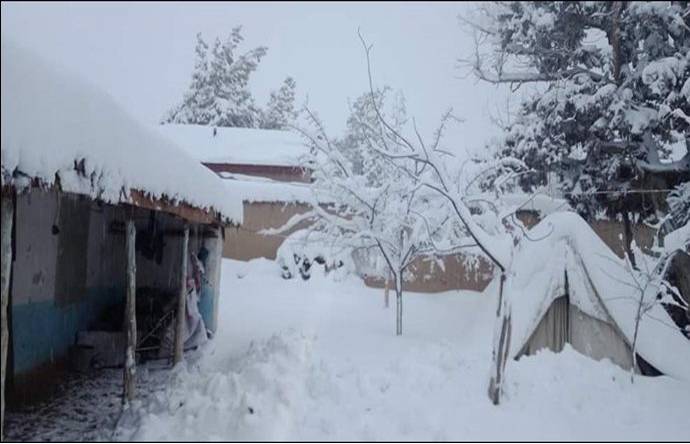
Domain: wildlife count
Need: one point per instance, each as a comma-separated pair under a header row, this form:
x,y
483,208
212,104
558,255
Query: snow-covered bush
x,y
305,250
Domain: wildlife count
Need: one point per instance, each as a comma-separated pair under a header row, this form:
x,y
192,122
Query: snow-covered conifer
x,y
612,107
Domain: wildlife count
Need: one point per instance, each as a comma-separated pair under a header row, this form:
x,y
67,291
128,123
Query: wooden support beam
x,y
214,246
182,300
6,248
130,315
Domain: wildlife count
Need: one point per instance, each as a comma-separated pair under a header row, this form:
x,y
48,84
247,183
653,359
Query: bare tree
x,y
376,207
414,198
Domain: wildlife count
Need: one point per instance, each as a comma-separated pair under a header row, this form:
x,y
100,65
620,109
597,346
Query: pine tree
x,y
614,100
197,101
219,93
364,128
280,111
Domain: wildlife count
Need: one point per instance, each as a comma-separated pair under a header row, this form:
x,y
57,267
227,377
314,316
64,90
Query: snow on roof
x,y
261,189
52,120
255,189
599,284
242,146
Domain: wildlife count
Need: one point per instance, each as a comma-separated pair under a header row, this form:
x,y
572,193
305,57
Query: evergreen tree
x,y
280,111
364,129
614,101
197,101
219,94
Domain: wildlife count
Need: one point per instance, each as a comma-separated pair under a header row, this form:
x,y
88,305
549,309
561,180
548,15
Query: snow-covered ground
x,y
318,360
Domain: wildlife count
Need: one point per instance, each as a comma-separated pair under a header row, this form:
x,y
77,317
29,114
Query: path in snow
x,y
318,360
85,407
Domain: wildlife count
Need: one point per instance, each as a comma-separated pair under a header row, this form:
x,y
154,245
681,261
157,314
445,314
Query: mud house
x,y
263,167
107,229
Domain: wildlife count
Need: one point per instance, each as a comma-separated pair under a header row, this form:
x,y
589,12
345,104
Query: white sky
x,y
142,54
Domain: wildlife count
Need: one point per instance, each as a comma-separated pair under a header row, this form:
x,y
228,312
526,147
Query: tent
x,y
568,286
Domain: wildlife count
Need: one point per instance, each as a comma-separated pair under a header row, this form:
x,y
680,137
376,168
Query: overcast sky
x,y
142,53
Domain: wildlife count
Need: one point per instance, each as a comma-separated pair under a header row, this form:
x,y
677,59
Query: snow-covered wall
x,y
53,122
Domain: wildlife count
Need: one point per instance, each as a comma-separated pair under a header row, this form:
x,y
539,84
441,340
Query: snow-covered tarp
x,y
240,146
599,283
53,121
678,239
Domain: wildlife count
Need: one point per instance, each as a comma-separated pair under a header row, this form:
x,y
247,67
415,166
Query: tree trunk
x,y
6,248
398,303
181,301
386,290
628,237
130,314
501,352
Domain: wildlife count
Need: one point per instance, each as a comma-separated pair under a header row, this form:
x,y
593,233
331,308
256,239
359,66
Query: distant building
x,y
238,152
262,167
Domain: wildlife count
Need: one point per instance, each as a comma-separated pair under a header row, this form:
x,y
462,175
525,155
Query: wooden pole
x,y
130,314
6,246
182,300
213,264
501,351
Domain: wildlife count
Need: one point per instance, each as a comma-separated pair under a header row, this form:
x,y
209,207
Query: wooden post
x,y
130,314
501,350
214,245
182,300
6,248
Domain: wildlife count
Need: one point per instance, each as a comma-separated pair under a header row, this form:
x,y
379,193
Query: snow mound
x,y
54,123
250,399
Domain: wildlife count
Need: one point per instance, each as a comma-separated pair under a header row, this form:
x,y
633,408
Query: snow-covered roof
x,y
259,189
241,146
599,284
52,122
263,190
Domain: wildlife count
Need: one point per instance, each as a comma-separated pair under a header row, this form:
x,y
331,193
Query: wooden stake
x,y
130,314
182,301
501,351
6,245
